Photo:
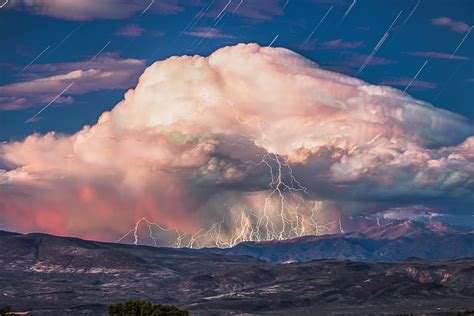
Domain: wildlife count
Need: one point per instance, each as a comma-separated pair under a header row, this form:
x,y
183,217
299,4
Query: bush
x,y
144,308
4,310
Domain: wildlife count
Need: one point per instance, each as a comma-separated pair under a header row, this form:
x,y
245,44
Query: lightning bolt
x,y
284,213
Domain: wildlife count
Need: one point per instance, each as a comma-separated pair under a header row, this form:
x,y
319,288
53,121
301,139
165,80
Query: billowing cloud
x,y
248,143
453,25
93,9
44,82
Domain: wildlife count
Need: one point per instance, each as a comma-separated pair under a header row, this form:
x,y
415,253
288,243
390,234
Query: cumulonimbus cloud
x,y
258,140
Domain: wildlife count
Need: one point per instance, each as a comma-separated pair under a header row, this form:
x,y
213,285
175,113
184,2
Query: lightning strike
x,y
284,212
341,229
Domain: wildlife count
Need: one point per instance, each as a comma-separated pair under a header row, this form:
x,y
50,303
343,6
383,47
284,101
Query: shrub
x,y
144,308
4,310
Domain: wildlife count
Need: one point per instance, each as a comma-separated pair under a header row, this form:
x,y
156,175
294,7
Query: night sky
x,y
285,118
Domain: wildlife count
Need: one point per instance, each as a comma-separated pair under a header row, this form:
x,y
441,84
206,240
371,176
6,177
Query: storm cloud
x,y
260,140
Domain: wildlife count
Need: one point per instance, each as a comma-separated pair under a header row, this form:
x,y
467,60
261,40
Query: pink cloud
x,y
45,81
351,61
92,9
262,10
358,59
208,32
342,44
437,55
194,146
453,25
417,84
131,30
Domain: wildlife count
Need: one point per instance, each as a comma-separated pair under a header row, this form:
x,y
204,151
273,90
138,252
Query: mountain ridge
x,y
393,241
71,276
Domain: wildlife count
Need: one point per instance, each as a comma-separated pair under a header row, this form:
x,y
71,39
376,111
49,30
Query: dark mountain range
x,y
51,275
394,241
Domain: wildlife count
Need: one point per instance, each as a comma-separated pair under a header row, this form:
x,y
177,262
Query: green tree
x,y
144,308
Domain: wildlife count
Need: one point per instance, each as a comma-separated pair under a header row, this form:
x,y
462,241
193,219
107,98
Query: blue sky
x,y
70,35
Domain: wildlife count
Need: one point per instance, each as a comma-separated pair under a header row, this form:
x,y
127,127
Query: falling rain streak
x,y
34,59
274,40
415,77
148,7
222,11
196,18
98,53
348,10
31,119
379,44
460,44
317,26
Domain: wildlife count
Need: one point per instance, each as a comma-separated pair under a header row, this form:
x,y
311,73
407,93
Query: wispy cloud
x,y
94,9
208,32
349,62
403,82
453,25
437,55
341,44
43,82
261,10
131,30
356,60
